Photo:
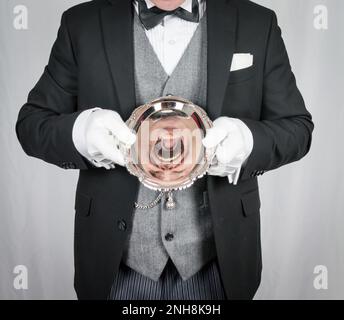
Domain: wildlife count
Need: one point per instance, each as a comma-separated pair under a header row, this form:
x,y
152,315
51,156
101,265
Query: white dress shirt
x,y
169,40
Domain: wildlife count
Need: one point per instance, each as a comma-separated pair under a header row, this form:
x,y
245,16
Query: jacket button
x,y
122,225
169,237
68,165
72,165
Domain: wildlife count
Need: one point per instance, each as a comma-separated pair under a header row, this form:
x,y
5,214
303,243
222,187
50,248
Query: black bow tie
x,y
153,16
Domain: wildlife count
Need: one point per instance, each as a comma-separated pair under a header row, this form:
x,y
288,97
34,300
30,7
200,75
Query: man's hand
x,y
97,135
233,142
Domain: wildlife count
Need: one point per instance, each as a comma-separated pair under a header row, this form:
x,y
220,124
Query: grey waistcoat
x,y
184,234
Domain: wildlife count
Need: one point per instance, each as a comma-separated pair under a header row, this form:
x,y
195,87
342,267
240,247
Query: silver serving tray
x,y
168,153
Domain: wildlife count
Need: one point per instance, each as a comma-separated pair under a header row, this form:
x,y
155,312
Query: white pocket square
x,y
241,61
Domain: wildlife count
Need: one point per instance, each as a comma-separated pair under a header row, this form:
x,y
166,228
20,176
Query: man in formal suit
x,y
110,56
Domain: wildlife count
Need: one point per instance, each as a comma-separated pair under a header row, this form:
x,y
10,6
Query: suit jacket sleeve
x,y
45,122
283,134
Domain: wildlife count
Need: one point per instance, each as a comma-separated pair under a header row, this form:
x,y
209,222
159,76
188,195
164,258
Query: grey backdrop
x,y
302,204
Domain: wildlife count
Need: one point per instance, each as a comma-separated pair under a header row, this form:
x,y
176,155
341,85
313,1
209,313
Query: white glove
x,y
233,141
97,135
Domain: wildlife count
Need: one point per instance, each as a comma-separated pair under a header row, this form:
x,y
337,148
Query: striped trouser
x,y
204,285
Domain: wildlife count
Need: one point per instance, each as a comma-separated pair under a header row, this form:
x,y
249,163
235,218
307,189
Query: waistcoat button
x,y
169,237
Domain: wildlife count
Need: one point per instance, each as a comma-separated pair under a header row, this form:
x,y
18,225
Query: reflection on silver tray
x,y
168,153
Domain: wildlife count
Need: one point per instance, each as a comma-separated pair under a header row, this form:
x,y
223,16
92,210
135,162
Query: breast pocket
x,y
242,94
242,75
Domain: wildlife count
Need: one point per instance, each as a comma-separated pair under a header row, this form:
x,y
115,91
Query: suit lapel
x,y
117,27
222,24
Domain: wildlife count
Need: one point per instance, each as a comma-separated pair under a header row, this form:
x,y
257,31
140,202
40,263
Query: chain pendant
x,y
150,205
170,203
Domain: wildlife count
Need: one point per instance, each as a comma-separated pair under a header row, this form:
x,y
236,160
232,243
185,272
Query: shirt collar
x,y
187,5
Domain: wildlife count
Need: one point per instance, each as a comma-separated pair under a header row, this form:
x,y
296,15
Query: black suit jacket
x,y
91,64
